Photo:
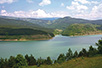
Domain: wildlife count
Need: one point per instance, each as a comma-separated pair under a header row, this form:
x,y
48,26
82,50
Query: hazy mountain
x,y
51,19
12,23
58,23
62,23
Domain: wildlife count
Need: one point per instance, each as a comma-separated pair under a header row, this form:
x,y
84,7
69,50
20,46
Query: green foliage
x,y
30,60
19,23
61,58
2,63
40,61
20,61
75,54
69,54
25,33
79,29
92,51
11,61
48,61
99,44
83,52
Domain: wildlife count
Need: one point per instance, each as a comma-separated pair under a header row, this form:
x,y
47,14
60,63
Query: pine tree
x,y
69,55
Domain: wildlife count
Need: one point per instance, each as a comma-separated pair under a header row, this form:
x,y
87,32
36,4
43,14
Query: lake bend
x,y
53,47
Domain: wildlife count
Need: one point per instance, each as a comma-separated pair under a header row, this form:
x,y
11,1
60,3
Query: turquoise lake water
x,y
59,44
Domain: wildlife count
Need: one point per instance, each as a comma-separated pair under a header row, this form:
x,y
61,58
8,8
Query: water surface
x,y
59,44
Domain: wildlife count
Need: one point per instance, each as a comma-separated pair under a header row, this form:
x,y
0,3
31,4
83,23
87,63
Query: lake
x,y
53,47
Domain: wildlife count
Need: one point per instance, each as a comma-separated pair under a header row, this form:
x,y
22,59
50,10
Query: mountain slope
x,y
11,29
81,29
62,23
12,23
41,22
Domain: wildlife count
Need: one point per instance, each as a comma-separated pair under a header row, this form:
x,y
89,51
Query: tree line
x,y
20,60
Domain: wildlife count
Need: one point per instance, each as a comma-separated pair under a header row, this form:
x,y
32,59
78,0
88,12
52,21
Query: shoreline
x,y
24,39
42,39
28,38
84,34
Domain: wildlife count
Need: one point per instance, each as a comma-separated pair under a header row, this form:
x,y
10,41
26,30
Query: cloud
x,y
82,1
29,1
3,11
77,7
45,2
95,13
87,2
94,2
33,14
7,1
62,4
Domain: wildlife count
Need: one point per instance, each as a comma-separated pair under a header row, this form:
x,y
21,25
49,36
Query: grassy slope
x,y
81,29
93,62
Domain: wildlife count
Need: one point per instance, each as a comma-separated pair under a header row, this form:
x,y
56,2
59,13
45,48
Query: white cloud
x,y
34,14
7,1
3,11
87,2
94,2
82,1
62,4
77,7
45,2
29,1
95,13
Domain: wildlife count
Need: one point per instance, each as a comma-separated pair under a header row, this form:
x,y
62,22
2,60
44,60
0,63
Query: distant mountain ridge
x,y
59,23
62,23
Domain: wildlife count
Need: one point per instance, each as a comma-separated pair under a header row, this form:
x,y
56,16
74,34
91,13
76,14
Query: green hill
x,y
18,29
81,29
43,23
62,23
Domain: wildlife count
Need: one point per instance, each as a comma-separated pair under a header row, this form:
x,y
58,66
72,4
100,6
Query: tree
x,y
40,61
20,61
69,54
48,61
83,52
99,44
27,58
6,63
61,58
1,63
32,60
75,54
92,51
11,61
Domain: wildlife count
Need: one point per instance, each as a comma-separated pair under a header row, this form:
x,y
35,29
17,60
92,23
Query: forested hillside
x,y
18,29
81,29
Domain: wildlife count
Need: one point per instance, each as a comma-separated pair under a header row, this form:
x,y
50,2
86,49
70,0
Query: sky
x,y
86,9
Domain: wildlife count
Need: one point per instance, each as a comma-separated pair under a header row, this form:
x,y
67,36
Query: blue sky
x,y
87,9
